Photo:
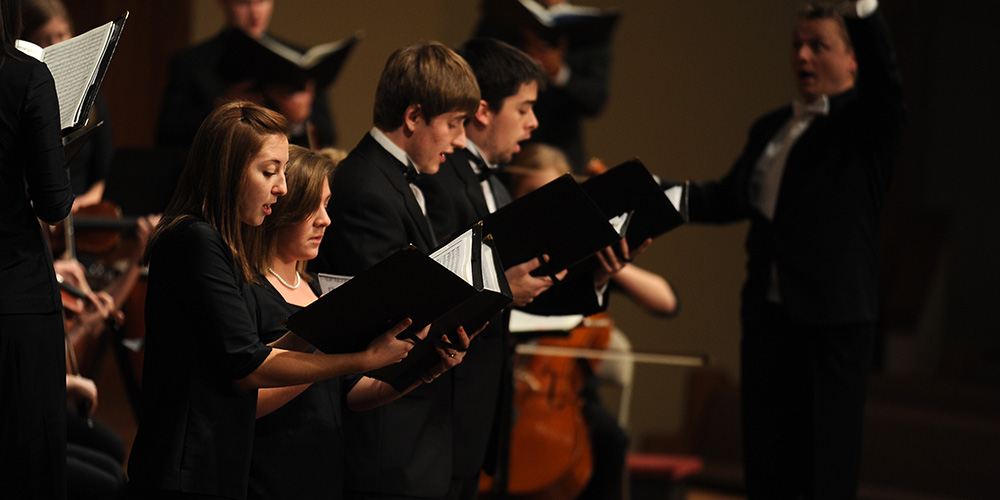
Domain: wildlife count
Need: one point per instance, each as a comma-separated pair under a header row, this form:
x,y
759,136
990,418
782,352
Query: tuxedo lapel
x,y
393,171
473,189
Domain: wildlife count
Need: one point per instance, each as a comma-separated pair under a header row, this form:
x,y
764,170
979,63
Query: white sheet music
x,y
618,221
329,282
524,322
674,195
490,281
456,256
73,65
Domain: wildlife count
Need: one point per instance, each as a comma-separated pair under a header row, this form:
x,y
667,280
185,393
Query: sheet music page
x,y
329,282
674,195
282,50
618,221
73,64
523,322
490,281
456,256
316,54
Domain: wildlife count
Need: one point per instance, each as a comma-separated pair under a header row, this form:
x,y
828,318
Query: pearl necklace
x,y
298,279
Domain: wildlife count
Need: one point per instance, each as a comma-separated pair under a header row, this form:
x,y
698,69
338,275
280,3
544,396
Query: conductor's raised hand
x,y
524,287
386,349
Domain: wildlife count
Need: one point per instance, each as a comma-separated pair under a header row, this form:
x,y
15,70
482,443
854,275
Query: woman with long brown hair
x,y
204,358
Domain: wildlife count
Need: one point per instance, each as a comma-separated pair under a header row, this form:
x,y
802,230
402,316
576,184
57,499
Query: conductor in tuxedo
x,y
199,81
811,180
425,94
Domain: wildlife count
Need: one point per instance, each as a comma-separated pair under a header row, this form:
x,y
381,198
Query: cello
x,y
550,451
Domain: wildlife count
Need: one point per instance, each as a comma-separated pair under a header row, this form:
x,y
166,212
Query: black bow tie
x,y
411,173
485,172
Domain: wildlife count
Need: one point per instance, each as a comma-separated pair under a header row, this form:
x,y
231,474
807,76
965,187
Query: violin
x,y
94,229
84,325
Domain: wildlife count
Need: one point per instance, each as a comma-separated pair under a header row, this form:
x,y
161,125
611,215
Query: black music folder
x,y
269,60
78,66
558,219
579,25
460,284
75,140
630,188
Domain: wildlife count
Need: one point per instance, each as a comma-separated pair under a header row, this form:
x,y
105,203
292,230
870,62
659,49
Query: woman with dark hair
x,y
33,185
204,358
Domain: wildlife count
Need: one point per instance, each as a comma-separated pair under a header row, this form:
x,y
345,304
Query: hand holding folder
x,y
462,284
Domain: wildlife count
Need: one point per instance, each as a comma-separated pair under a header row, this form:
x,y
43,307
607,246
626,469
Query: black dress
x,y
298,449
196,429
33,185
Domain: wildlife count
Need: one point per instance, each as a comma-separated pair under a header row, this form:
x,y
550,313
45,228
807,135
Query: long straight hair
x,y
305,173
10,25
212,183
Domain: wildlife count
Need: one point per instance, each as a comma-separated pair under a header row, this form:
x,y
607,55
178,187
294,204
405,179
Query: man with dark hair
x,y
466,190
811,180
576,75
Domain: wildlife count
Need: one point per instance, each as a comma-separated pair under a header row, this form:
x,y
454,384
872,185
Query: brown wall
x,y
687,79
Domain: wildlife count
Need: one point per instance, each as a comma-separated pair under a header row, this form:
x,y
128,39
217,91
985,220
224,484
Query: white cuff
x,y
562,77
860,9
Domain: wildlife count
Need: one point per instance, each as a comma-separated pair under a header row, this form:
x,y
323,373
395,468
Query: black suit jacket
x,y
34,185
197,79
455,200
402,448
823,233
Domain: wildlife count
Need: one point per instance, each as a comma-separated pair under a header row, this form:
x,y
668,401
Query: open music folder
x,y
580,25
78,66
630,188
460,284
270,60
558,219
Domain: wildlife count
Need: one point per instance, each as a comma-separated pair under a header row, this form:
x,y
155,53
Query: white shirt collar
x,y
820,106
387,144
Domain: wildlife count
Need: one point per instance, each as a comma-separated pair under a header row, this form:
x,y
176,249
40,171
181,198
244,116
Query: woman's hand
x,y
386,349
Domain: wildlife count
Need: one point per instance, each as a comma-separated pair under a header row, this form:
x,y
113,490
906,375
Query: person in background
x,y
811,180
577,74
47,22
34,185
199,81
204,359
532,168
